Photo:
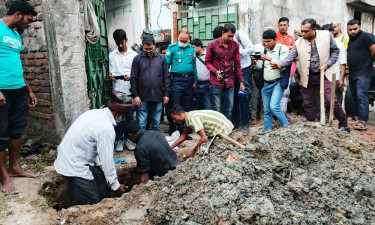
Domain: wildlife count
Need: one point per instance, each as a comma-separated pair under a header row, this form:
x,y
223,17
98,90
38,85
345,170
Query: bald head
x,y
183,36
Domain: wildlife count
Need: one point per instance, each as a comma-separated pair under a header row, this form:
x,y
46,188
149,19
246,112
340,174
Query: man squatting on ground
x,y
15,94
85,155
204,122
153,154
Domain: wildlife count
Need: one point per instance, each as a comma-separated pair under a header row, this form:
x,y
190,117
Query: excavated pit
x,y
57,196
304,174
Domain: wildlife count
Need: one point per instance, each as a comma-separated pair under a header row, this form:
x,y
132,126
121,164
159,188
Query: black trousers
x,y
83,191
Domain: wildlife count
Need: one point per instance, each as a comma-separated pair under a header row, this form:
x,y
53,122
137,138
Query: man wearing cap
x,y
85,155
180,57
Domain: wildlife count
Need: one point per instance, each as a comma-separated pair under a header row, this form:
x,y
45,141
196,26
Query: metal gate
x,y
97,67
201,22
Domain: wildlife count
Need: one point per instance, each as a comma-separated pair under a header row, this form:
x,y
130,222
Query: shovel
x,y
332,103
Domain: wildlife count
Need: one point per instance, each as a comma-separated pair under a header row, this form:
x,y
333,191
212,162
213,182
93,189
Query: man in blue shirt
x,y
15,94
180,57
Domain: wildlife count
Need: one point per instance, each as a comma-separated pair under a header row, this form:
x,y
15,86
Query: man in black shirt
x,y
361,55
153,154
150,83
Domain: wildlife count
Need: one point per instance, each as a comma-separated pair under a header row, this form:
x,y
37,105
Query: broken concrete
x,y
299,175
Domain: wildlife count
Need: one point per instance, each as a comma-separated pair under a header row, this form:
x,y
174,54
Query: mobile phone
x,y
256,56
119,77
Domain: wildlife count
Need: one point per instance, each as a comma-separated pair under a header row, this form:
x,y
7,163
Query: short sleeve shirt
x,y
359,56
210,121
341,60
10,62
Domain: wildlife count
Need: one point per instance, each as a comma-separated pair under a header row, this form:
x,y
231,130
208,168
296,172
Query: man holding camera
x,y
221,54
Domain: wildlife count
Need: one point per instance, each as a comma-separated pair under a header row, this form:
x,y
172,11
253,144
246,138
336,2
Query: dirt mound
x,y
299,175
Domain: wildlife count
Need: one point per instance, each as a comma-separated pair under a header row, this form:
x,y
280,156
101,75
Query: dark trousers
x,y
310,95
181,94
83,191
119,128
339,92
241,106
359,86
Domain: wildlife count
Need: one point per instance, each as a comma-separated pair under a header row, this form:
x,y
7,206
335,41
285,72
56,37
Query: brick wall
x,y
35,65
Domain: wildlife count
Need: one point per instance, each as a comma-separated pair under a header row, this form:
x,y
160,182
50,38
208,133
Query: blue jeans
x,y
203,100
119,128
271,94
181,94
359,86
216,94
155,112
241,106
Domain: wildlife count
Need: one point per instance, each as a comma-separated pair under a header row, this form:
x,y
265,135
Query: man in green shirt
x,y
272,91
204,122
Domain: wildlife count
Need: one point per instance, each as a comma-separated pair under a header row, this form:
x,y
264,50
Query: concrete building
x,y
69,75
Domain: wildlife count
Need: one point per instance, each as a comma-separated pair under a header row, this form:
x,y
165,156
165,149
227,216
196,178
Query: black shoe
x,y
236,127
189,138
345,129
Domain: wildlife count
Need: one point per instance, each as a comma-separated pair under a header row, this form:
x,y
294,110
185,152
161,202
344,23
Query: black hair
x,y
353,21
23,6
119,97
218,31
229,27
196,42
318,27
119,35
282,19
148,40
269,34
328,27
176,109
163,47
131,127
310,21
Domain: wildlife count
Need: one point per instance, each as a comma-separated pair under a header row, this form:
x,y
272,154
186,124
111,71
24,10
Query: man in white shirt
x,y
120,63
85,155
241,108
340,65
203,87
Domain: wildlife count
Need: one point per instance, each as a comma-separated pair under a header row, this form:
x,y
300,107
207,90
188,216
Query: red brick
x,y
23,56
30,56
44,96
30,76
45,62
36,62
42,102
39,55
48,110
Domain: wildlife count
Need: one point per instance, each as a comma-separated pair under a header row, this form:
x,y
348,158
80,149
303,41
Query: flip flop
x,y
360,126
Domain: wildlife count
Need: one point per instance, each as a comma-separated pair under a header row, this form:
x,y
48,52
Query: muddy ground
x,y
305,174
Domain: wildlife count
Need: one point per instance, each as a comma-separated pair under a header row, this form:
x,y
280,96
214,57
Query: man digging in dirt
x,y
204,122
15,94
153,154
85,155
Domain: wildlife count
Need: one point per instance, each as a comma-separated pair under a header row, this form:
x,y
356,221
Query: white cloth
x,y
120,65
259,47
93,32
246,48
340,60
202,71
173,138
89,140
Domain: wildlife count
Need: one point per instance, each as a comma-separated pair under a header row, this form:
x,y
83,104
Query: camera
x,y
256,55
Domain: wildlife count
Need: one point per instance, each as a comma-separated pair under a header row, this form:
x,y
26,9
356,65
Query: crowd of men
x,y
210,91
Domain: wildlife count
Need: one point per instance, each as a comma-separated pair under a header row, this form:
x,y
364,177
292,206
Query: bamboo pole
x,y
332,102
322,107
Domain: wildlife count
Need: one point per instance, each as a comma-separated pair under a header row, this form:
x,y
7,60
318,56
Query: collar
x,y
279,34
277,46
186,119
127,51
110,115
144,54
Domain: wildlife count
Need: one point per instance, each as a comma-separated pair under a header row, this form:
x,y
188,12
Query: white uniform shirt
x,y
89,140
246,48
341,60
202,71
120,65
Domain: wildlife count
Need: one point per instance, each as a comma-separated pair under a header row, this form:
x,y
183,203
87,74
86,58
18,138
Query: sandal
x,y
361,125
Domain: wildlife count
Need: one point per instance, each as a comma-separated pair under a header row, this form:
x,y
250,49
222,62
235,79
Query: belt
x,y
182,75
272,81
203,82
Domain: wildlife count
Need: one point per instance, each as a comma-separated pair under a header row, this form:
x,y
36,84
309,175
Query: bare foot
x,y
21,173
7,187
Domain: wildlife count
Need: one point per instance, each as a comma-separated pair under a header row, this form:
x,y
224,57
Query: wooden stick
x,y
230,140
322,107
332,103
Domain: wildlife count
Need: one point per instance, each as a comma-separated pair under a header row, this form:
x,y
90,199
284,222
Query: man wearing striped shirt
x,y
204,122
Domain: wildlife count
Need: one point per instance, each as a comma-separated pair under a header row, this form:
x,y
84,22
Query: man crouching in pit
x,y
204,122
85,155
153,154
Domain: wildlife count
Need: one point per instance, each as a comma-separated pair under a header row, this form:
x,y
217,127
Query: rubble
x,y
304,174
